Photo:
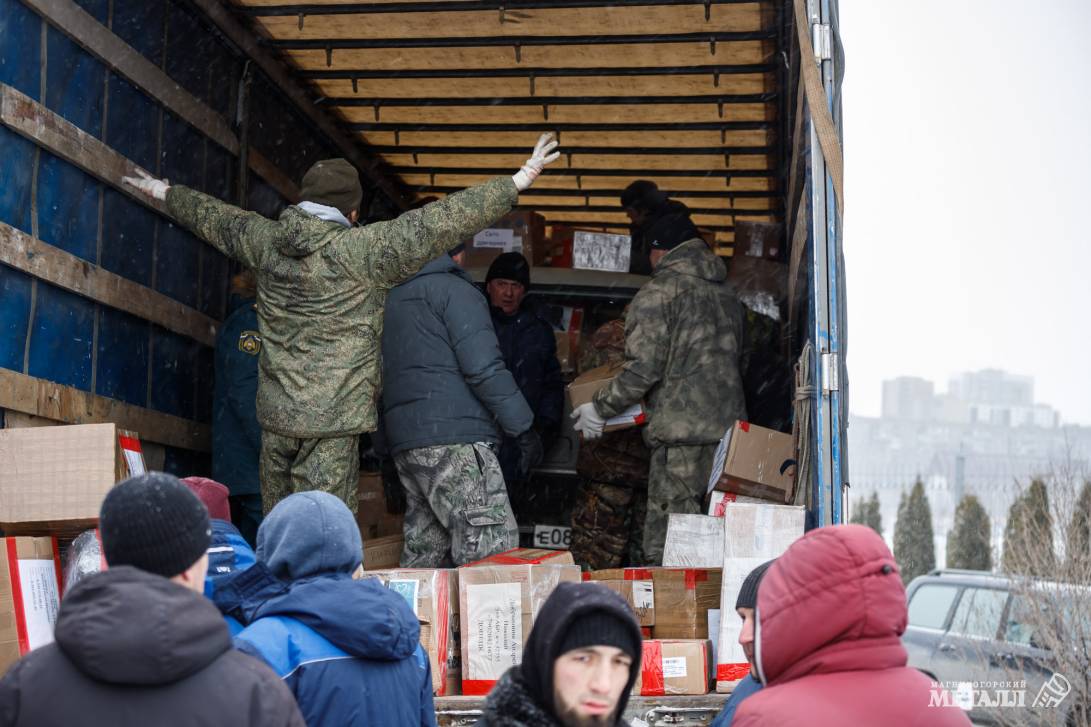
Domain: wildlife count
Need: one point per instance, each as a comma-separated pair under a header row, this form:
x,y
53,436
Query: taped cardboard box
x,y
497,607
718,501
519,231
755,462
753,534
383,553
671,667
433,596
635,586
683,597
694,541
30,589
53,479
584,387
528,556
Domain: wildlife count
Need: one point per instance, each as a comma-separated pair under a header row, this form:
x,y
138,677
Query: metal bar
x,y
580,172
574,150
547,126
549,100
772,194
510,40
459,6
366,73
725,211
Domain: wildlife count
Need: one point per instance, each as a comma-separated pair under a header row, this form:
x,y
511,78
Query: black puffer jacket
x,y
133,648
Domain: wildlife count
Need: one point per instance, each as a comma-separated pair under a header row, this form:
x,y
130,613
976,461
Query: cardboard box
x,y
383,553
497,607
528,556
718,501
683,597
758,239
560,247
518,231
567,322
753,534
584,387
53,479
433,596
639,590
30,588
601,251
756,462
694,541
674,666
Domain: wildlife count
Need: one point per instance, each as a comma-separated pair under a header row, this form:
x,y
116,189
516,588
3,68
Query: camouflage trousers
x,y
677,480
457,507
290,465
608,525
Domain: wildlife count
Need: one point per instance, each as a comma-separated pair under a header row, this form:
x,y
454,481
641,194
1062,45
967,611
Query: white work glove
x,y
588,421
538,159
148,184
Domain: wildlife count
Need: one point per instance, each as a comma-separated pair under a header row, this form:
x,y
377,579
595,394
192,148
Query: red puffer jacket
x,y
829,617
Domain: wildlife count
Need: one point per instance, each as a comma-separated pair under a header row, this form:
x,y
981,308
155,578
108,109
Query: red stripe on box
x,y
745,426
731,672
505,559
586,575
695,576
637,574
129,443
477,687
651,669
17,597
640,418
646,631
57,568
443,603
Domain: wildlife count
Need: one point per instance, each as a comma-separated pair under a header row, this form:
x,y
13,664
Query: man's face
x,y
587,684
746,635
507,295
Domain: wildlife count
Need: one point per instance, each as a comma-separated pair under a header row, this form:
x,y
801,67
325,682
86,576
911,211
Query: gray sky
x,y
967,153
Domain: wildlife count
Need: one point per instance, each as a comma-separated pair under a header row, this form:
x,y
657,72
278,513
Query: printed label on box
x,y
408,589
38,583
674,667
643,595
502,239
495,622
134,456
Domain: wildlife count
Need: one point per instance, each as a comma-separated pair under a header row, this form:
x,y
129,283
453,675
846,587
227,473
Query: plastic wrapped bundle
x,y
84,558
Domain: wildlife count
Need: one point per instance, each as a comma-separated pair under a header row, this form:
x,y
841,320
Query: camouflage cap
x,y
335,183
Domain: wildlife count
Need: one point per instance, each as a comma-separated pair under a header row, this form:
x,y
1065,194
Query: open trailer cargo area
x,y
110,310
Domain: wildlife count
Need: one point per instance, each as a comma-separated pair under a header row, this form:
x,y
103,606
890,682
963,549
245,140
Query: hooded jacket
x,y
445,380
830,615
321,289
524,695
134,648
347,649
683,336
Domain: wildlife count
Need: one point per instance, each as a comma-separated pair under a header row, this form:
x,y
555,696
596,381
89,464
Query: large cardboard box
x,y
635,585
383,553
694,541
433,596
30,588
601,251
753,534
520,231
683,598
756,462
673,667
528,556
372,515
53,479
497,607
584,387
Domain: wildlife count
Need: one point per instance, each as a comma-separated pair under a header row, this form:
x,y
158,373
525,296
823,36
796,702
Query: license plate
x,y
554,537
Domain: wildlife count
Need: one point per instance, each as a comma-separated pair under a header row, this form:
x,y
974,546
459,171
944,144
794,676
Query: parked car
x,y
982,628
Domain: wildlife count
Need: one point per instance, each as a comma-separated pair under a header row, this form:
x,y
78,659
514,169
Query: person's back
x,y
830,614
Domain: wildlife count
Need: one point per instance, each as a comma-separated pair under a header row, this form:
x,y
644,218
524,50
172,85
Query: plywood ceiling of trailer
x,y
682,109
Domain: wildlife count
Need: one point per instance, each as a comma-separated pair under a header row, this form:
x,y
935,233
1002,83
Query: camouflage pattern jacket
x,y
321,291
683,337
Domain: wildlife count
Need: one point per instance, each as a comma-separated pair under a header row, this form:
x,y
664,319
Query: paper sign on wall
x,y
134,456
495,629
38,585
500,238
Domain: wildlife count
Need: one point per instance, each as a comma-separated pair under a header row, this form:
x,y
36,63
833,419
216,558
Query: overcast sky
x,y
968,153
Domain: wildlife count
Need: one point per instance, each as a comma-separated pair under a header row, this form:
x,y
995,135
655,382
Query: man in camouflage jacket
x,y
321,286
683,336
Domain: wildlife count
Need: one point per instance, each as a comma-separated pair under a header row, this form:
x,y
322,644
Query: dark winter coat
x,y
530,353
236,435
133,648
228,553
830,615
444,380
747,686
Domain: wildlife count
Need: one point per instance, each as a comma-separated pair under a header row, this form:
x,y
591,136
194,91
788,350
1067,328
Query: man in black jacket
x,y
138,644
445,392
579,664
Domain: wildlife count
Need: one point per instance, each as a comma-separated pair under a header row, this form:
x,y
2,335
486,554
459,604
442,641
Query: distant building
x,y
908,397
993,387
990,396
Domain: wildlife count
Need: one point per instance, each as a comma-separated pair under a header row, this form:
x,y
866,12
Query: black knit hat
x,y
600,628
334,183
643,195
510,266
670,231
153,522
748,594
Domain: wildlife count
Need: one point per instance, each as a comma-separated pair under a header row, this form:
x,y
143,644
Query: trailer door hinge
x,y
822,40
831,372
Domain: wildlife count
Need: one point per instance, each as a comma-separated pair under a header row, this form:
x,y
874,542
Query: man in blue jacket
x,y
447,398
349,650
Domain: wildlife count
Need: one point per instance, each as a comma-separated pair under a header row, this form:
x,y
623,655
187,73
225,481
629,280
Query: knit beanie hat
x,y
334,183
643,195
212,495
600,628
510,266
748,594
154,523
670,231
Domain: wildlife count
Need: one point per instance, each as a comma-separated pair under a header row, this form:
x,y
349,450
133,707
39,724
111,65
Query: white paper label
x,y
495,622
38,583
674,667
601,251
643,595
714,630
135,461
408,589
494,238
552,537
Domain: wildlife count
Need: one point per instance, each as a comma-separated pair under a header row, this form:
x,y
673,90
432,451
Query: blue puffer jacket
x,y
236,436
747,686
444,380
228,553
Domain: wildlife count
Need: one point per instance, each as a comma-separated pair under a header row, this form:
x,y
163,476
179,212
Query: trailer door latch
x,y
822,40
831,372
